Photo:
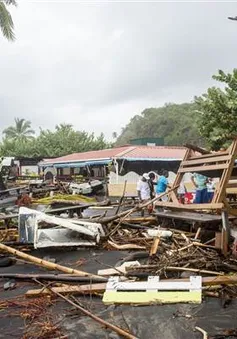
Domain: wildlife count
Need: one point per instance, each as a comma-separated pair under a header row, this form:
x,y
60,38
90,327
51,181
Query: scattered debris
x,y
176,256
114,328
10,285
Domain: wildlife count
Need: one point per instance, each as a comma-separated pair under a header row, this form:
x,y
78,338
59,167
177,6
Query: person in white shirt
x,y
144,191
143,188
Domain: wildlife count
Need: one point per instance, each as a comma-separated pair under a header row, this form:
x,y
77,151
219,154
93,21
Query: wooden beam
x,y
197,149
154,246
233,211
203,168
74,289
100,288
210,206
207,160
209,155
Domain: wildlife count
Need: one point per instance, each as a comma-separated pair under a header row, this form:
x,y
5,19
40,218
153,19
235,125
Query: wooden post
x,y
225,234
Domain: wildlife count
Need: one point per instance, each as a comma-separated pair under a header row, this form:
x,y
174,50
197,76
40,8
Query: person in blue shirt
x,y
200,182
162,184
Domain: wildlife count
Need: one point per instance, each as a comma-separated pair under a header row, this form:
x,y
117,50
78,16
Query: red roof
x,y
127,152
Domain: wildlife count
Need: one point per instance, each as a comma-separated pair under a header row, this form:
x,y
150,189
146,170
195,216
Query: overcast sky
x,y
97,65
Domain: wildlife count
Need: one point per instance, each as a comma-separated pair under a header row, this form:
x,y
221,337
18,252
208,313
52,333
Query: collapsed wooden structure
x,y
219,165
215,165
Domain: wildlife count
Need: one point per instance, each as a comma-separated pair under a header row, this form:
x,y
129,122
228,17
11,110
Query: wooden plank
x,y
9,216
197,233
203,168
189,216
209,155
206,160
220,280
68,208
151,297
232,190
98,288
210,206
120,270
154,246
233,211
218,240
224,242
83,289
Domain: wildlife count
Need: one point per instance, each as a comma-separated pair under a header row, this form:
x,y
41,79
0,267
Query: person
x,y
143,188
210,189
152,183
162,184
144,191
200,182
181,193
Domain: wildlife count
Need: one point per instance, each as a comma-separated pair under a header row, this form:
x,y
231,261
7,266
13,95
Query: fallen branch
x,y
114,328
45,263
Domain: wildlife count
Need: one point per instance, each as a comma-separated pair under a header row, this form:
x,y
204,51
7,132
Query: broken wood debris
x,y
44,263
114,328
100,287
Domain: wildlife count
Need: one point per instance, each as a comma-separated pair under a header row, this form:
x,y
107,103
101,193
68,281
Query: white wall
x,y
30,169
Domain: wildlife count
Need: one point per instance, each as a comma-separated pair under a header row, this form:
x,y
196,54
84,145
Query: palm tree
x,y
6,22
20,132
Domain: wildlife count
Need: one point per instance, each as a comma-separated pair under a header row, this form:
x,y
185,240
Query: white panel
x,y
154,285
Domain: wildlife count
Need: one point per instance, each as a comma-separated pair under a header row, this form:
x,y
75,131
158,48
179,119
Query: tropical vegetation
x,y
19,141
6,22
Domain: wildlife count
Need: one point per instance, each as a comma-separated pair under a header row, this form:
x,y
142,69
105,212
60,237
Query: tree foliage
x,y
21,132
6,22
176,123
61,141
218,110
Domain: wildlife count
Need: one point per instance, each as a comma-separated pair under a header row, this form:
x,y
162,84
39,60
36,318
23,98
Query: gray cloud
x,y
97,65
